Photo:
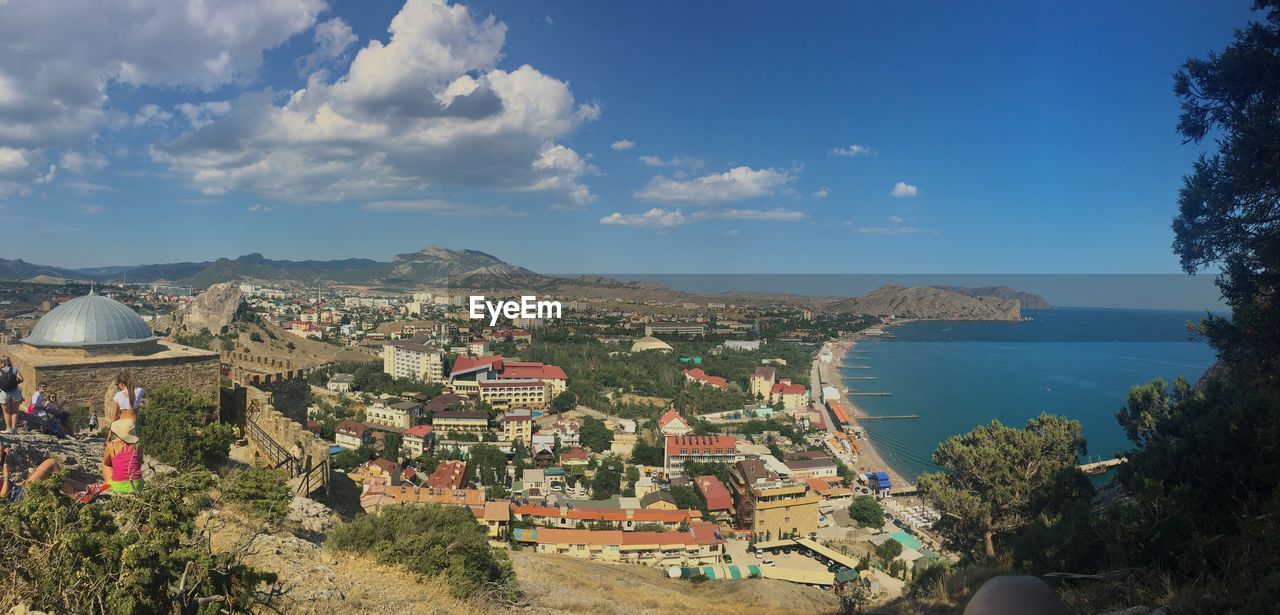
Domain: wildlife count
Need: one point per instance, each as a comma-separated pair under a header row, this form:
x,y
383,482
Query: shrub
x,y
262,490
180,427
120,555
866,511
431,541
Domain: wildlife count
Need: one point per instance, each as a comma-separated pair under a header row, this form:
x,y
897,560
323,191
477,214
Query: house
x,y
517,425
539,482
377,495
441,403
674,328
575,458
413,361
419,439
447,422
478,347
791,395
448,475
352,435
658,500
497,518
672,424
701,544
697,376
340,383
680,449
769,506
626,519
813,467
384,470
719,500
518,336
762,381
401,415
644,486
543,449
568,432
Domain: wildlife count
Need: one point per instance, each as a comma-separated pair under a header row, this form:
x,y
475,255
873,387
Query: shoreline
x,y
868,456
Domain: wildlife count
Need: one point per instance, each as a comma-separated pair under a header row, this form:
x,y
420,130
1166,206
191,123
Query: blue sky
x,y
610,137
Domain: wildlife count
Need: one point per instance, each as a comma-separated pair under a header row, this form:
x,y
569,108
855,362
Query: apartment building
x,y
769,506
412,361
681,449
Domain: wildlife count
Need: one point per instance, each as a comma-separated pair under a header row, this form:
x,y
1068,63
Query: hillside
x,y
1029,301
928,303
20,270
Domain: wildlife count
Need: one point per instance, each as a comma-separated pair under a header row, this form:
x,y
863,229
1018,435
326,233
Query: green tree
x,y
888,550
431,541
391,443
645,453
1000,478
594,435
607,482
707,468
866,511
633,475
486,465
689,498
181,428
566,400
263,490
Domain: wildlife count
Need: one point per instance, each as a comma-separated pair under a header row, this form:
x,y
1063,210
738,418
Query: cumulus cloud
x,y
60,57
332,38
736,184
662,218
150,114
202,114
622,144
654,218
821,193
852,150
903,189
426,107
260,208
92,210
83,163
895,230
690,162
437,207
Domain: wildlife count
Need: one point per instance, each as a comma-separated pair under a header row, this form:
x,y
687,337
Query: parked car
x,y
728,559
767,562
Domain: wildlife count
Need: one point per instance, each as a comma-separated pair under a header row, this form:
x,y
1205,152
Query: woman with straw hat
x,y
122,458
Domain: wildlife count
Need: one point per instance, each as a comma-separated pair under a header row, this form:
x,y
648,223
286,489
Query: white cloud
x,y
12,161
549,20
852,150
60,57
821,193
438,207
150,114
897,219
47,178
690,162
426,107
202,114
895,230
654,218
331,39
260,208
778,214
903,189
622,144
736,184
92,210
82,163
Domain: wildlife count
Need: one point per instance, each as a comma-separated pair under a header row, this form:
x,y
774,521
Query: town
x,y
705,439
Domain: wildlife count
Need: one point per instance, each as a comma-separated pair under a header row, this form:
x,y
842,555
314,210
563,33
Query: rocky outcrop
x,y
928,303
215,309
1029,301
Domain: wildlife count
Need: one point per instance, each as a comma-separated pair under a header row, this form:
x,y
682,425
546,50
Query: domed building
x,y
650,343
80,347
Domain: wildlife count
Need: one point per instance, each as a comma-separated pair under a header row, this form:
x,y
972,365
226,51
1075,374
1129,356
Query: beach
x,y
869,459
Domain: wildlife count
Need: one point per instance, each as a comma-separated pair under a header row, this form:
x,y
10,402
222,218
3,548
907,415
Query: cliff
x,y
929,303
1029,301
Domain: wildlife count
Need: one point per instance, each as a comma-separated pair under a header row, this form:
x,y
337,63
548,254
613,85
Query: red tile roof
x,y
447,475
701,445
700,376
574,454
354,428
465,364
533,370
714,491
669,416
420,431
788,389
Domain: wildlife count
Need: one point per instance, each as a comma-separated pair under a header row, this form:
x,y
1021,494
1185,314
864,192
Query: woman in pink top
x,y
122,458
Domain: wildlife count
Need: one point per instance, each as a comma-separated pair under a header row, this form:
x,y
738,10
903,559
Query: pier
x,y
843,366
867,393
887,416
1098,467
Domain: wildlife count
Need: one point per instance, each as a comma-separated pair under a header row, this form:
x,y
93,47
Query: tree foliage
x,y
1000,478
486,465
431,541
180,427
594,435
866,511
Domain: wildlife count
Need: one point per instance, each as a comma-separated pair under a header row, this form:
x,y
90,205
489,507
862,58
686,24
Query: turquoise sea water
x,y
1074,362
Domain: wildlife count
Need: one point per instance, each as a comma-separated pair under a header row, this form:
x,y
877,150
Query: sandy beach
x,y
869,459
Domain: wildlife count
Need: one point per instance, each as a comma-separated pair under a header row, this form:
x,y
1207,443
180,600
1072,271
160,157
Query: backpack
x,y
8,379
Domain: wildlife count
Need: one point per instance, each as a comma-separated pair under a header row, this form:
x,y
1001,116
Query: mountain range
x,y
930,303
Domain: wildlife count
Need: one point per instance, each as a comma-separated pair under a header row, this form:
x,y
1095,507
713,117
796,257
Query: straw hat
x,y
126,430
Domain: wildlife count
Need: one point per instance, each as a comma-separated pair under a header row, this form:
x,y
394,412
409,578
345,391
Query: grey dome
x,y
91,320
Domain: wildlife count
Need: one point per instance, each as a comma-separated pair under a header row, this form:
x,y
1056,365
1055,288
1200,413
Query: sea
x,y
1073,362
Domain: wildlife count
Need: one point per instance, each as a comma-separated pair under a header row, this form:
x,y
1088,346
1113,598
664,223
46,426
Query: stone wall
x,y
92,384
285,433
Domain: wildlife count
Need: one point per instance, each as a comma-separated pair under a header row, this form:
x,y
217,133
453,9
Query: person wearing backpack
x,y
10,394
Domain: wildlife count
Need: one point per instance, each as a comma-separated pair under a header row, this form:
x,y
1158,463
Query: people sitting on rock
x,y
12,491
54,409
127,399
44,415
122,458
